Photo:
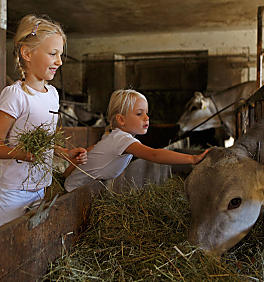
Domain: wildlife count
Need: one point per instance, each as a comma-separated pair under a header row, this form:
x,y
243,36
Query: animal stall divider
x,y
250,112
253,110
27,247
31,242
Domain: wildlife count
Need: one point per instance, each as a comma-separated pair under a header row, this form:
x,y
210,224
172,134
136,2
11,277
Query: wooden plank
x,y
77,136
94,134
81,136
259,46
120,72
25,253
3,14
238,124
258,112
262,108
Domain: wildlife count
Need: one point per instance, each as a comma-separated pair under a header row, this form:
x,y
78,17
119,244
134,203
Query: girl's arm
x,y
163,156
6,123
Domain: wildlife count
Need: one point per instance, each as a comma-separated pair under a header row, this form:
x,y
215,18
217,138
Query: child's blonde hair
x,y
121,102
30,32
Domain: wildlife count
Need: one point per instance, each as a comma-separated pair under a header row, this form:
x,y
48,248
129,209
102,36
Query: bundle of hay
x,y
38,141
142,236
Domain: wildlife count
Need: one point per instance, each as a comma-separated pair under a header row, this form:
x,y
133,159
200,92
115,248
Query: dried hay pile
x,y
142,236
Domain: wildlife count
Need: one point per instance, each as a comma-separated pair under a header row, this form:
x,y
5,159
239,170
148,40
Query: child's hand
x,y
30,157
78,155
23,156
198,158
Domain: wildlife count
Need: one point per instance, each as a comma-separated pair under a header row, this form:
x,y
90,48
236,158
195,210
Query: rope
x,y
227,130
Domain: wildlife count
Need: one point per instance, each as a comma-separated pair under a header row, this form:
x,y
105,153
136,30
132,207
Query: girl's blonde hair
x,y
121,102
31,31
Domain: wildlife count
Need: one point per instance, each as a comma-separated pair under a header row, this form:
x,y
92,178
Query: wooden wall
x,y
3,15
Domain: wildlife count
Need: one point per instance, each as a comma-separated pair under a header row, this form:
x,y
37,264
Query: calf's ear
x,y
198,95
205,103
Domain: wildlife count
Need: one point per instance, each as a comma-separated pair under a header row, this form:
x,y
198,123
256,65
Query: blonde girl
x,y
128,117
30,102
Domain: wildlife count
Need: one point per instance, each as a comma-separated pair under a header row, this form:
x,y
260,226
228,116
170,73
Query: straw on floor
x,y
142,236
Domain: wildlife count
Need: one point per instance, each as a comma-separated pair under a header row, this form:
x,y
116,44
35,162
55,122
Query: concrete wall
x,y
218,43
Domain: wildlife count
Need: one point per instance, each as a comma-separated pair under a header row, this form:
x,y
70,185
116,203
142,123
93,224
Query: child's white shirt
x,y
105,161
29,111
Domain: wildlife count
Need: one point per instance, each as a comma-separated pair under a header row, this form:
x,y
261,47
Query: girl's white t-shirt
x,y
29,111
105,161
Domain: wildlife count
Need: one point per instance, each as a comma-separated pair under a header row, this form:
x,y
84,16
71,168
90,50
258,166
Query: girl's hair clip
x,y
34,31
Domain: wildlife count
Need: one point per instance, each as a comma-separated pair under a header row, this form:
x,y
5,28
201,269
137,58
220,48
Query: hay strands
x,y
142,236
38,141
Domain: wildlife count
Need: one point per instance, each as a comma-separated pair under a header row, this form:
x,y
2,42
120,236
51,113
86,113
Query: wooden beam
x,y
3,16
259,47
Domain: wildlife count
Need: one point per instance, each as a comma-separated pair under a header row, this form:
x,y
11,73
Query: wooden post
x,y
120,72
259,47
3,16
98,80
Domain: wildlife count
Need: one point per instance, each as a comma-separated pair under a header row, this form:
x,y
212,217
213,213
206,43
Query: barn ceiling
x,y
109,17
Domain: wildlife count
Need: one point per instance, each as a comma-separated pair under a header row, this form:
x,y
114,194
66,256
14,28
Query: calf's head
x,y
226,194
197,110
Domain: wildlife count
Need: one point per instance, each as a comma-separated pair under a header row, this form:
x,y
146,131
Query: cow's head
x,y
225,192
198,109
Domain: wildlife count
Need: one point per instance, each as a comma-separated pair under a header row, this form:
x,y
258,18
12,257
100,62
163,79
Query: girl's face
x,y
44,60
136,121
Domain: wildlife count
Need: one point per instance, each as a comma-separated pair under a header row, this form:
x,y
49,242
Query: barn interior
x,y
165,49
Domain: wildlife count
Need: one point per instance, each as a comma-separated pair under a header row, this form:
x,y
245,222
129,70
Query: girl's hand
x,y
78,155
29,157
198,158
20,155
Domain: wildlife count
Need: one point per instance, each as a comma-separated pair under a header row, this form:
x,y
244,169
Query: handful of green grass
x,y
39,140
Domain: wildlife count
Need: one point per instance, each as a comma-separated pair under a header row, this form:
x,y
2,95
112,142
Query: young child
x,y
30,102
128,116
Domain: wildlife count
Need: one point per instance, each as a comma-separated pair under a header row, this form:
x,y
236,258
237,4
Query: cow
x,y
199,108
74,114
67,115
226,192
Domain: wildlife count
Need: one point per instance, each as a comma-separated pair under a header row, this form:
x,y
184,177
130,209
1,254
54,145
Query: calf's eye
x,y
234,203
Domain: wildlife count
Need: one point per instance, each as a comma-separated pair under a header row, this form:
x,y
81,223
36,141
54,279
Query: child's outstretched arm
x,y
163,156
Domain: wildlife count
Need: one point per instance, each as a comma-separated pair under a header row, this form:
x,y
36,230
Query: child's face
x,y
136,121
44,60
